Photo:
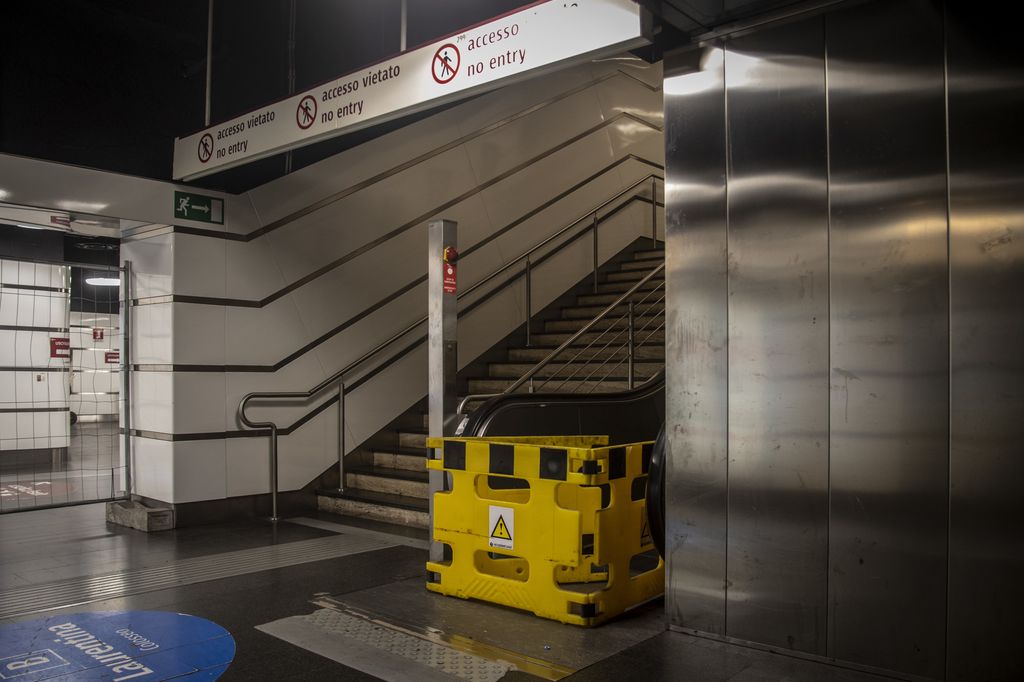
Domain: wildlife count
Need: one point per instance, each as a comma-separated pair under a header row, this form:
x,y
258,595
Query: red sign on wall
x,y
449,278
60,347
112,357
97,334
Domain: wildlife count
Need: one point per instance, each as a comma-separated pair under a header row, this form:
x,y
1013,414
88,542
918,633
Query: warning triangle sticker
x,y
501,530
645,531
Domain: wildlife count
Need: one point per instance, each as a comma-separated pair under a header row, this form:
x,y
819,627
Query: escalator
x,y
625,417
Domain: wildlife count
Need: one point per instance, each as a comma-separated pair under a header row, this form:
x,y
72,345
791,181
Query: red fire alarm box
x,y
450,281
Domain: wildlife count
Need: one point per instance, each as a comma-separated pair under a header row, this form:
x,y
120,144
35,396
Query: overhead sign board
x,y
539,37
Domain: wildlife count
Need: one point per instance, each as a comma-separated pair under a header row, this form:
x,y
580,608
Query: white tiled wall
x,y
29,318
95,375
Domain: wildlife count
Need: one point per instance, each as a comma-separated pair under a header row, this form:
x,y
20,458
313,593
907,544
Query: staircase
x,y
394,489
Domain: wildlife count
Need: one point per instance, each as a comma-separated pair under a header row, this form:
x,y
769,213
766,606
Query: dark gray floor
x,y
89,469
677,656
47,545
50,546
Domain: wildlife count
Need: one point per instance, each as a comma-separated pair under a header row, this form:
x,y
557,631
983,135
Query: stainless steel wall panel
x,y
778,337
695,344
889,330
986,163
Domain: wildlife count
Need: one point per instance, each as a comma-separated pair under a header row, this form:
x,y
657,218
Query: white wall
x,y
34,302
488,161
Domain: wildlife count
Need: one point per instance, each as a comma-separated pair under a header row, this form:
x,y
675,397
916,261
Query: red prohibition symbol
x,y
205,147
305,114
446,63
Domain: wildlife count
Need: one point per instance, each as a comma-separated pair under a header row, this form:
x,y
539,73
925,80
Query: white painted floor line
x,y
418,543
83,590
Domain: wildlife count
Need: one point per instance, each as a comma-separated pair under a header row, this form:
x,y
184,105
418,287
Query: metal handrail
x,y
604,204
630,344
629,359
339,376
630,332
565,344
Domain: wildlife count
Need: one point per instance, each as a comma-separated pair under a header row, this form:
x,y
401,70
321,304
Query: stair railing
x,y
625,350
527,261
630,344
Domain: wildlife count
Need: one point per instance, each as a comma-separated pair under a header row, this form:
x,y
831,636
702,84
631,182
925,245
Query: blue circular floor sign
x,y
144,646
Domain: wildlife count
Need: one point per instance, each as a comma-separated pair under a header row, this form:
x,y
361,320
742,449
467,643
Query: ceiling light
x,y
103,281
83,206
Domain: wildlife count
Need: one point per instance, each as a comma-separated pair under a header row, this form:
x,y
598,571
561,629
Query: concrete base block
x,y
132,514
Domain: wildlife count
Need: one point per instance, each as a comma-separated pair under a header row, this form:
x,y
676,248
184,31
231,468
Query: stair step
x,y
409,511
643,352
632,275
641,322
588,312
555,386
386,480
512,370
412,439
647,254
619,288
553,339
411,460
646,264
598,299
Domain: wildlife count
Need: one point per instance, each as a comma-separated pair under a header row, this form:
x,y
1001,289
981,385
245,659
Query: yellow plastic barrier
x,y
550,525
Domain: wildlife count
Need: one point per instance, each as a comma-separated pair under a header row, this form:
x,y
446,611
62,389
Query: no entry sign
x,y
537,38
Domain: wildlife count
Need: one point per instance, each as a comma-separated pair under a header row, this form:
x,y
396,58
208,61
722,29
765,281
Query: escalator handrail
x,y
474,424
656,492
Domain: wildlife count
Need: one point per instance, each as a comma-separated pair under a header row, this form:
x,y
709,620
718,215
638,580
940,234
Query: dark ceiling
x,y
110,83
692,18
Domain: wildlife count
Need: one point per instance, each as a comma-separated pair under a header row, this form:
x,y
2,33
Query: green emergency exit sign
x,y
189,206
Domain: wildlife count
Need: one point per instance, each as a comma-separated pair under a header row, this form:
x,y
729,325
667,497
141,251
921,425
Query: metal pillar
x,y
442,352
529,300
404,27
341,436
291,73
596,257
209,61
654,213
273,473
126,377
631,343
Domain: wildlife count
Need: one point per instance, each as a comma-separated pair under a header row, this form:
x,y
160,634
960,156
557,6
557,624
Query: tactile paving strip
x,y
458,664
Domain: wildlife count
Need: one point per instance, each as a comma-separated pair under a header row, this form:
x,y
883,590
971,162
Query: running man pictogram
x,y
305,114
446,63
